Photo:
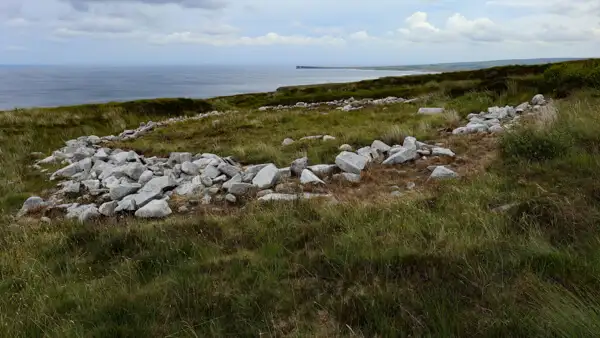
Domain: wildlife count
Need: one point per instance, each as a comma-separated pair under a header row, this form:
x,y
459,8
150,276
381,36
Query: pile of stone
x,y
497,119
344,105
106,182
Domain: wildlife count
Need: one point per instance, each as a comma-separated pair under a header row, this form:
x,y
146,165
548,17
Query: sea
x,y
50,86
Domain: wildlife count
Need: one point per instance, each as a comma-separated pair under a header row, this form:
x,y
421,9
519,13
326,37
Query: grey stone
x,y
264,193
287,142
285,172
254,169
351,162
124,189
278,197
497,129
154,209
66,172
411,185
189,189
402,156
220,179
410,143
183,209
235,179
101,155
211,172
190,168
228,169
31,204
108,209
328,138
442,152
154,189
134,170
379,145
299,165
308,177
424,152
203,162
266,177
145,177
241,189
472,128
323,170
91,184
523,107
538,100
442,172
430,111
230,198
88,214
71,187
127,204
48,160
206,199
345,147
213,191
179,158
397,194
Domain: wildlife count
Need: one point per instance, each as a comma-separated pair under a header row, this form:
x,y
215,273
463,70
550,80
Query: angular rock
x,y
379,145
153,189
299,165
230,198
179,158
89,214
285,172
203,162
442,172
410,143
31,204
211,172
323,170
308,177
190,168
235,179
241,189
127,204
71,187
220,179
108,209
134,170
538,100
410,185
228,169
124,189
442,152
351,162
189,189
266,177
402,156
145,177
101,155
68,171
91,184
476,128
154,209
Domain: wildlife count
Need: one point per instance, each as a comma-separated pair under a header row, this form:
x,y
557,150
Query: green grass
x,y
442,265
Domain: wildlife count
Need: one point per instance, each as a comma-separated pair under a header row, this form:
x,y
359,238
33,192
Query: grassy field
x,y
444,264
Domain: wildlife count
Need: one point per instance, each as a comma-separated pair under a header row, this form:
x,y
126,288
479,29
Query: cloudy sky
x,y
324,32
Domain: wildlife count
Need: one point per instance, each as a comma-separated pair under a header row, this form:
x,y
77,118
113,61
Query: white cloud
x,y
231,40
360,35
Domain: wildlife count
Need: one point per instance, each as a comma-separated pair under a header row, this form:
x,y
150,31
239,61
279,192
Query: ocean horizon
x,y
25,86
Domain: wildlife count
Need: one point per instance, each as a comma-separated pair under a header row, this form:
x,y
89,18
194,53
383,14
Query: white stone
x,y
230,198
240,189
179,158
134,170
402,156
345,147
308,177
145,177
235,179
266,177
299,165
190,168
476,128
68,171
460,131
287,142
323,170
124,189
189,189
203,162
71,187
228,169
411,185
379,145
48,160
91,184
328,138
442,172
351,162
89,214
442,152
108,209
278,197
153,189
211,172
284,172
154,209
430,111
30,204
410,143
497,129
264,193
127,204
101,155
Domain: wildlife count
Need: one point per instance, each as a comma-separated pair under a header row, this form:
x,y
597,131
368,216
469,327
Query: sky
x,y
307,32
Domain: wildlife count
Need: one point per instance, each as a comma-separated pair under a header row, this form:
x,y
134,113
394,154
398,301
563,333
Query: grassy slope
x,y
443,265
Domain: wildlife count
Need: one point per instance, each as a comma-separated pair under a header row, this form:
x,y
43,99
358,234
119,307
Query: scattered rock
x,y
229,169
189,189
323,170
266,177
308,177
442,172
278,197
154,209
397,194
299,165
211,172
401,156
442,152
496,129
351,162
410,186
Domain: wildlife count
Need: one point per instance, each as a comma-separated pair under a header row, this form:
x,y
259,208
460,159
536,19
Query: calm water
x,y
44,86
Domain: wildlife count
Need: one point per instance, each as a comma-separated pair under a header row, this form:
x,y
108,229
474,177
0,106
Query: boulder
x,y
228,169
442,152
351,162
220,179
402,156
83,213
379,145
153,189
190,168
538,100
345,147
123,189
108,209
211,172
145,177
266,177
154,209
442,172
31,204
235,179
287,142
299,165
308,177
189,189
230,198
323,170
